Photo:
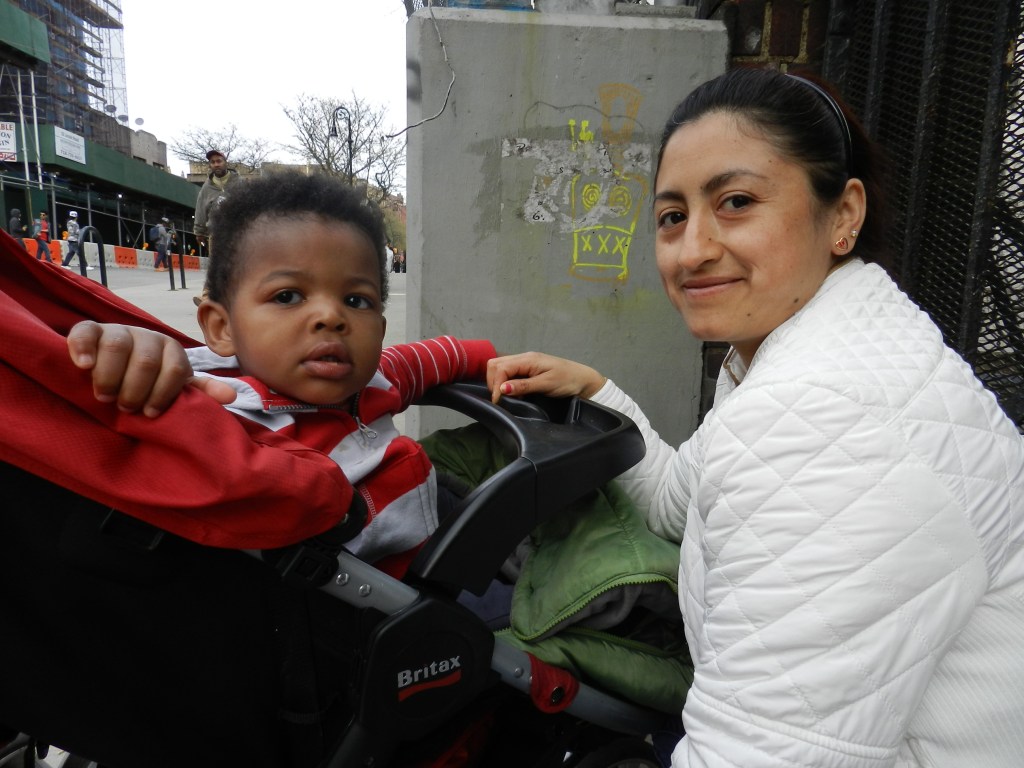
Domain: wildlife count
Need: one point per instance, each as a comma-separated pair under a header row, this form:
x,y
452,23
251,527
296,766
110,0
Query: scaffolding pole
x,y
35,127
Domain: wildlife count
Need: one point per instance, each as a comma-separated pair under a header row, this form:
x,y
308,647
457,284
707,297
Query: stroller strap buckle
x,y
306,564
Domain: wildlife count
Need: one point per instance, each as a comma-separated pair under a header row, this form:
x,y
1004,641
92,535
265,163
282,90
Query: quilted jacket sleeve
x,y
660,484
826,571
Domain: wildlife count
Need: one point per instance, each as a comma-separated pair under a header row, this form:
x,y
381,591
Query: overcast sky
x,y
210,63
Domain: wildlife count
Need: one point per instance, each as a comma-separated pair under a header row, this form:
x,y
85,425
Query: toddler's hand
x,y
139,369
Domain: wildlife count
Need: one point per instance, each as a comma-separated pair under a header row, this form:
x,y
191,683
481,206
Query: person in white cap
x,y
73,230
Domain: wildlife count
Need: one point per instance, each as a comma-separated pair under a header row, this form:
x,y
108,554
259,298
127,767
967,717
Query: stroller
x,y
129,646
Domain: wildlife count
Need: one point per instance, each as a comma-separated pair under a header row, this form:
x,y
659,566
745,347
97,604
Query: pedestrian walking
x,y
163,243
14,225
73,250
41,234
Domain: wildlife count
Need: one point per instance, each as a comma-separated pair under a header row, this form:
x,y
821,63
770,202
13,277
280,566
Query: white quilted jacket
x,y
851,518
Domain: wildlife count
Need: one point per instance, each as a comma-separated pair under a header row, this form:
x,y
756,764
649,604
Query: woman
x,y
851,511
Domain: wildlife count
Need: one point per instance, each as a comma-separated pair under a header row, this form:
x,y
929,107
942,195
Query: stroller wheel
x,y
623,753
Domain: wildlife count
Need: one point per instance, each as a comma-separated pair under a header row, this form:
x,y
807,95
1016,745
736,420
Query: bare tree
x,y
390,161
378,152
193,145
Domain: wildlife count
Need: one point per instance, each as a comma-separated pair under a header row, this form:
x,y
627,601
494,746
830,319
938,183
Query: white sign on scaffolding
x,y
69,145
8,143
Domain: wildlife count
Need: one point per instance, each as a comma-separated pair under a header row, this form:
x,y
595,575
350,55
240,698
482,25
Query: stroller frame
x,y
428,657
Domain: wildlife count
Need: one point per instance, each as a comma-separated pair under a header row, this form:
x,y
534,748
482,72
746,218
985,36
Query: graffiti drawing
x,y
593,187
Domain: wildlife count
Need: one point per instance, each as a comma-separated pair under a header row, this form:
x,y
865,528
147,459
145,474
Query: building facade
x,y
66,142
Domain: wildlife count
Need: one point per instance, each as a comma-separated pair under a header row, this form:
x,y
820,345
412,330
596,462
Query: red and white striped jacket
x,y
389,470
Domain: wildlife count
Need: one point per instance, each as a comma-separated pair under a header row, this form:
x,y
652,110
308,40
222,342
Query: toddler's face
x,y
306,317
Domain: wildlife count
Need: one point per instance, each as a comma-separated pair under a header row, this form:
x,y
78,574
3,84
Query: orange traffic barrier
x,y
125,257
191,262
32,246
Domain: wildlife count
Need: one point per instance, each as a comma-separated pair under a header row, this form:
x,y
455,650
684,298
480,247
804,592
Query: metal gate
x,y
940,85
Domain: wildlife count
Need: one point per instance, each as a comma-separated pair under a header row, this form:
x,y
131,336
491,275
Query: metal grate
x,y
939,84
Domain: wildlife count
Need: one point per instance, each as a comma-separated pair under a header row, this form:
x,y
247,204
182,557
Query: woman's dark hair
x,y
799,116
288,196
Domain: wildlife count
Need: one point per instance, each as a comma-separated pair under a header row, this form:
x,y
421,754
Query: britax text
x,y
436,674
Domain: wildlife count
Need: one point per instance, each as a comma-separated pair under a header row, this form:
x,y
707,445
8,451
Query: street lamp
x,y
119,241
334,134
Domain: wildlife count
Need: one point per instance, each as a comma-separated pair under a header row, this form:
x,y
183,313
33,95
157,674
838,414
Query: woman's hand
x,y
536,373
139,369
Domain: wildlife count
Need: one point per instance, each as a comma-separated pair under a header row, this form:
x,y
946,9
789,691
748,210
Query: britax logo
x,y
436,674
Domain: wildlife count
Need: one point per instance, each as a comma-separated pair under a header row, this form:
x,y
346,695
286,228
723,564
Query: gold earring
x,y
842,244
854,232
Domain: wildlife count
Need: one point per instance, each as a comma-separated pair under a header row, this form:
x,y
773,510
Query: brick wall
x,y
783,34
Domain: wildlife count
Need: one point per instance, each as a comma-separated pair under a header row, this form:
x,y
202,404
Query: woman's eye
x,y
671,218
287,297
359,302
736,202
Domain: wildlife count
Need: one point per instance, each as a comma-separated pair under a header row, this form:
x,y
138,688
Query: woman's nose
x,y
701,242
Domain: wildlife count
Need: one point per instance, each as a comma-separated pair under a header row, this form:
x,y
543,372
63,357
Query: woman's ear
x,y
216,324
849,218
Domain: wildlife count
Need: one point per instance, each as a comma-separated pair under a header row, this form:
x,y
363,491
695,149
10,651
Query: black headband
x,y
843,125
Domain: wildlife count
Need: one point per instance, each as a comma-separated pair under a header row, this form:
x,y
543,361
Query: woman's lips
x,y
708,287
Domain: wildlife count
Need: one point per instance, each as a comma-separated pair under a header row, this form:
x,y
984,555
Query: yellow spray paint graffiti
x,y
605,207
585,133
592,187
604,214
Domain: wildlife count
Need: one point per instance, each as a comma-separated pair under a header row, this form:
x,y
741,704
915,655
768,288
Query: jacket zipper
x,y
563,618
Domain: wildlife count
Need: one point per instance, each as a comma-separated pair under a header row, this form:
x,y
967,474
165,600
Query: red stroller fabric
x,y
196,471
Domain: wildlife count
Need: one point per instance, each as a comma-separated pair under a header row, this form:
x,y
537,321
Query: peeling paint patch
x,y
590,188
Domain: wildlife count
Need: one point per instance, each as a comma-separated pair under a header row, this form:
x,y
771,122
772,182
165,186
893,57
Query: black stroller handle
x,y
564,448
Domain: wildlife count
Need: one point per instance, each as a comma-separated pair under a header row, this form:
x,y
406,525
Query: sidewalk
x,y
152,292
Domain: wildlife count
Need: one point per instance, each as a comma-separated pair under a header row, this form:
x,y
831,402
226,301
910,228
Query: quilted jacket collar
x,y
734,371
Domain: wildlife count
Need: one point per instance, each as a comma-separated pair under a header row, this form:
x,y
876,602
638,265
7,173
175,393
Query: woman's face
x,y
741,241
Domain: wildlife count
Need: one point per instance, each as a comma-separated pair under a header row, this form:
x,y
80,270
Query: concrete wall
x,y
530,194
